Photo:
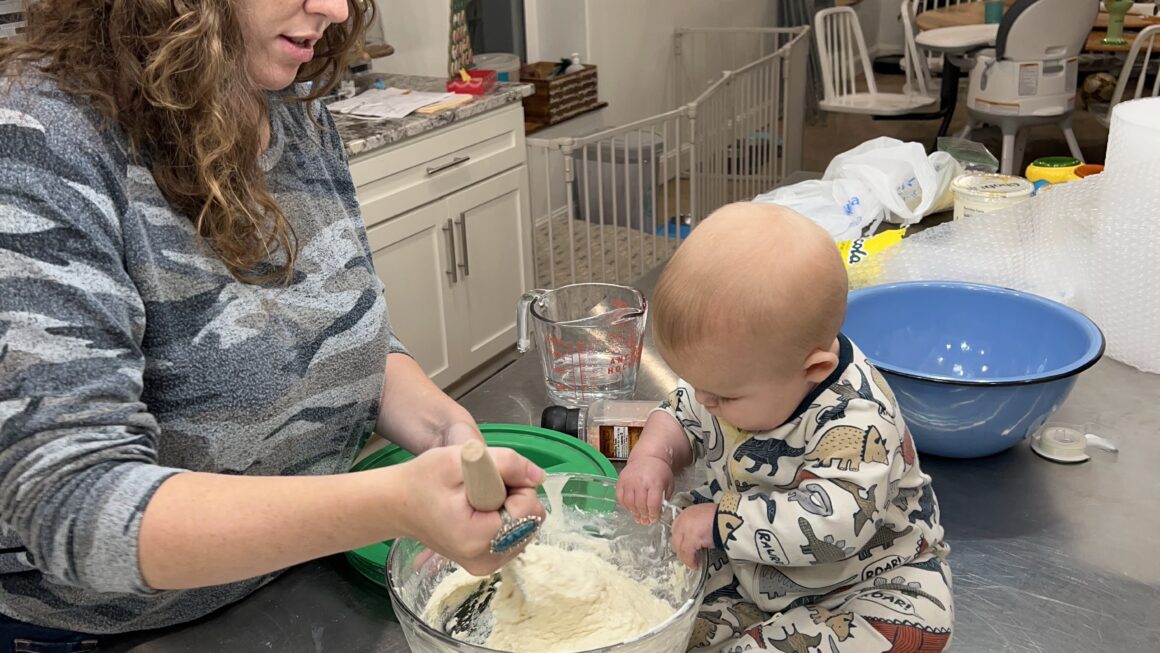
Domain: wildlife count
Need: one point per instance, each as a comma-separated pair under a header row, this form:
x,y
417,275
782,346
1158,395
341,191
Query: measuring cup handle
x,y
523,310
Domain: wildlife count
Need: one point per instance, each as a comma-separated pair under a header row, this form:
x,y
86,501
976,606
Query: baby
x,y
822,532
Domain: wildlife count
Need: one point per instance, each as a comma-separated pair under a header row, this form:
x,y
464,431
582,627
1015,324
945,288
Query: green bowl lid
x,y
555,452
1056,162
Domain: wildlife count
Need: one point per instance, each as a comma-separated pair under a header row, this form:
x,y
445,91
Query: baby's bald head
x,y
758,276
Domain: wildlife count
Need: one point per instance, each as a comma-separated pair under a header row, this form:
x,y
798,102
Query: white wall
x,y
418,30
555,28
632,42
881,26
890,37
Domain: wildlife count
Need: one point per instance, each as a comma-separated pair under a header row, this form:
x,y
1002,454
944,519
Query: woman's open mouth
x,y
300,49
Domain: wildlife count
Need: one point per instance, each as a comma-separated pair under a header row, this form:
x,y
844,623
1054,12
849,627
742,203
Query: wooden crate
x,y
558,98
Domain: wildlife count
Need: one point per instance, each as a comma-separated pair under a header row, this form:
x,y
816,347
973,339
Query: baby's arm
x,y
647,479
663,439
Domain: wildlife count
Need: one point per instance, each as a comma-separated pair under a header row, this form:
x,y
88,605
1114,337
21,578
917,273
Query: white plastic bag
x,y
881,179
841,207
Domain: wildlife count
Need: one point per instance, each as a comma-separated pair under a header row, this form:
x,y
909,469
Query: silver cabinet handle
x,y
462,223
459,160
452,269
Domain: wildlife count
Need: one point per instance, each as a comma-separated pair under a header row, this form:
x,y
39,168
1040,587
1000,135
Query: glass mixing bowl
x,y
413,572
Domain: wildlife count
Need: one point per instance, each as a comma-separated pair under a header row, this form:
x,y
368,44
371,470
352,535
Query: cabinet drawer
x,y
402,177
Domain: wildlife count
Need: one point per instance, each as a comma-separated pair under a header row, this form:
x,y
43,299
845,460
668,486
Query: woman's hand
x,y
458,433
208,529
436,511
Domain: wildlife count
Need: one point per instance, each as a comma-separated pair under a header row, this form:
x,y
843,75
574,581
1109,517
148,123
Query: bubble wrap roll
x,y
1134,137
1123,297
1038,246
1088,244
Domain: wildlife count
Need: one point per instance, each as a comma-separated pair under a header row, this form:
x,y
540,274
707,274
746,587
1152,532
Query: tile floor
x,y
833,133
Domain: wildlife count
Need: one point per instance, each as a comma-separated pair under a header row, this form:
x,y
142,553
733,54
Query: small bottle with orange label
x,y
611,426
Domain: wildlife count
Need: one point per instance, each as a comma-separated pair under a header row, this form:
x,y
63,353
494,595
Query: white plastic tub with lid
x,y
984,192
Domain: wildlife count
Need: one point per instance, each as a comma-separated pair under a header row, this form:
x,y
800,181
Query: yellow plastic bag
x,y
863,256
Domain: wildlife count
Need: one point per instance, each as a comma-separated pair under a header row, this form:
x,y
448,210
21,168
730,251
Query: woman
x,y
192,336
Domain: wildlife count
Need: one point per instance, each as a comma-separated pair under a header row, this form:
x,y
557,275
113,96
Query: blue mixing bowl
x,y
975,368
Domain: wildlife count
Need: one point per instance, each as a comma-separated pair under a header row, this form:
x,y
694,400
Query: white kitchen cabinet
x,y
410,257
447,220
494,262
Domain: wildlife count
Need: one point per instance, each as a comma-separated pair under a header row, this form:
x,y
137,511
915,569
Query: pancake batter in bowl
x,y
553,600
559,600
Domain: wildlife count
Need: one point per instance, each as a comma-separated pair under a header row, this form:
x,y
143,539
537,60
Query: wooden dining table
x,y
971,13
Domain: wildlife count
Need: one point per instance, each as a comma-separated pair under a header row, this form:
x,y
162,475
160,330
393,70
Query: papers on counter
x,y
390,103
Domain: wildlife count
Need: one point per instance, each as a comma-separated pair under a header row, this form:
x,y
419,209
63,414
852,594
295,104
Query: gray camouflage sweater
x,y
128,353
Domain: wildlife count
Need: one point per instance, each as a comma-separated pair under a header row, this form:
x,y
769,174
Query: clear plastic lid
x,y
992,186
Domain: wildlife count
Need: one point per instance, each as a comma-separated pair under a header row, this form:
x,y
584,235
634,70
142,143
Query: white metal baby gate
x,y
630,193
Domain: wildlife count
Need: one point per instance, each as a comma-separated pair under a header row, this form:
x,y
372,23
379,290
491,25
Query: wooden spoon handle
x,y
485,487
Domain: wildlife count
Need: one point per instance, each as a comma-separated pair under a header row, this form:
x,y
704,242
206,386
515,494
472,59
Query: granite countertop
x,y
362,136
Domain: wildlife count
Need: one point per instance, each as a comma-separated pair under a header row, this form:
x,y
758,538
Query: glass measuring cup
x,y
589,336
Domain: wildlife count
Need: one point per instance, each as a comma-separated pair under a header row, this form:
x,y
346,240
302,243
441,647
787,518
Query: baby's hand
x,y
693,531
644,484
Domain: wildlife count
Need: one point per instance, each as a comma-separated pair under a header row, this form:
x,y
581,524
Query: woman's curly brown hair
x,y
172,75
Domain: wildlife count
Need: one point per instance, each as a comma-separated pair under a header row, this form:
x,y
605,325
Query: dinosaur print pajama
x,y
827,532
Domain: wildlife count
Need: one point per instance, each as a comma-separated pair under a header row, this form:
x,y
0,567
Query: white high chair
x,y
842,53
934,62
1030,76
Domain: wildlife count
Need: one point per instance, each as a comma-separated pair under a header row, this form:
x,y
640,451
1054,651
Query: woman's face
x,y
280,36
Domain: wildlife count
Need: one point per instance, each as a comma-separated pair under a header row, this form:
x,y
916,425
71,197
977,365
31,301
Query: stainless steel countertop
x,y
1046,557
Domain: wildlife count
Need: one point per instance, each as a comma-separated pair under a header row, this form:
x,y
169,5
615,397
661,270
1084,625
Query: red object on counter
x,y
482,81
1088,169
